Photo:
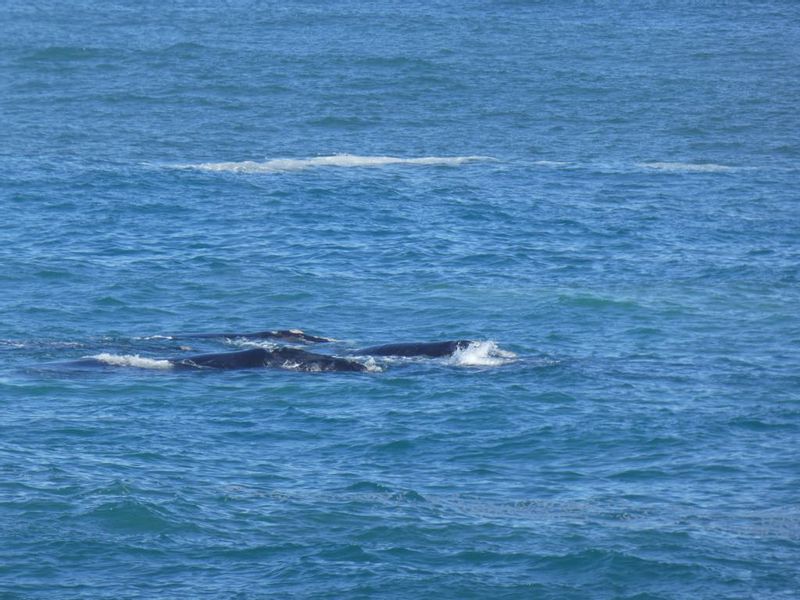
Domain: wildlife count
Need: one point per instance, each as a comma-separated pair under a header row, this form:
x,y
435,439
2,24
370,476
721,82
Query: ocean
x,y
602,196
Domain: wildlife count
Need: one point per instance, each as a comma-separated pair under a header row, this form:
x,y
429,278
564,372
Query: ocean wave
x,y
131,360
282,165
687,167
481,354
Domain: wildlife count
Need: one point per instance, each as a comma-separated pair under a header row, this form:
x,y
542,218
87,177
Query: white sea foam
x,y
282,165
293,366
131,360
481,354
686,167
248,343
372,366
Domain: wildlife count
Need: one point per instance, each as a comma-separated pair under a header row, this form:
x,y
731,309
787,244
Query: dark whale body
x,y
287,335
284,357
431,349
280,358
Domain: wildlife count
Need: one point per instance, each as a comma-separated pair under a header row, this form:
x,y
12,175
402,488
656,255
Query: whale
x,y
408,349
288,358
286,335
280,358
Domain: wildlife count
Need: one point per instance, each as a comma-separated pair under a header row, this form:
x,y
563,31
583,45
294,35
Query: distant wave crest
x,y
282,165
687,167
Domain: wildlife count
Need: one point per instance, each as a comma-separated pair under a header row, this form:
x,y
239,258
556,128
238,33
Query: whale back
x,y
294,358
281,358
430,349
289,335
243,359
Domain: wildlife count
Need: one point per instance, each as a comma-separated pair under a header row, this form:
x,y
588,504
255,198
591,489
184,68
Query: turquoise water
x,y
606,190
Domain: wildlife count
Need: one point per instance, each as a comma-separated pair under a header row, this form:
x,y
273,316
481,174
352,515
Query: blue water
x,y
609,191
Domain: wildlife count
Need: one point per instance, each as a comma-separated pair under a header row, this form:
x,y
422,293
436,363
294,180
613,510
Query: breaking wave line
x,y
283,165
687,167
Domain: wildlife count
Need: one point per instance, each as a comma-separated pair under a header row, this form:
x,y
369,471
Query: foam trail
x,y
131,360
282,165
481,354
686,167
